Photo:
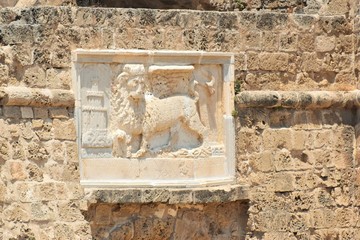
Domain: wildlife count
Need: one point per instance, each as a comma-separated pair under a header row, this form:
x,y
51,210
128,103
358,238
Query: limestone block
x,y
269,41
42,212
262,162
37,152
64,129
34,77
325,44
58,113
277,138
57,78
12,112
50,191
27,112
64,230
17,171
5,149
251,40
273,61
306,42
17,212
283,182
3,193
336,7
346,217
288,42
323,218
271,21
45,132
40,112
34,172
69,212
310,62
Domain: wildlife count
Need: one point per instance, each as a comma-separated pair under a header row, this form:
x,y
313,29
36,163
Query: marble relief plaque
x,y
154,118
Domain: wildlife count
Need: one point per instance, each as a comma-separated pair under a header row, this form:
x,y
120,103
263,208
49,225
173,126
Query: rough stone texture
x,y
161,221
224,193
298,99
302,164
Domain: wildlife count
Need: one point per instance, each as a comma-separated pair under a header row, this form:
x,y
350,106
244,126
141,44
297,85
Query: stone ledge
x,y
298,99
228,193
36,97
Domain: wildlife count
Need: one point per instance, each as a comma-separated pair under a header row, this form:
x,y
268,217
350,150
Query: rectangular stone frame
x,y
113,172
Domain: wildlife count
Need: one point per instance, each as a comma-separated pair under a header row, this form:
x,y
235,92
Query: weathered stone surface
x,y
297,139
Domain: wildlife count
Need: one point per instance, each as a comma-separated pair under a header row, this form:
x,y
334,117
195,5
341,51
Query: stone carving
x,y
154,116
139,115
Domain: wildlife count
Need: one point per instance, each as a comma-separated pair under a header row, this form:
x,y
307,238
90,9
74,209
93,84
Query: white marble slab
x,y
154,118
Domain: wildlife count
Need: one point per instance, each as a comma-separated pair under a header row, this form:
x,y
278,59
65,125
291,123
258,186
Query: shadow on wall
x,y
152,4
164,221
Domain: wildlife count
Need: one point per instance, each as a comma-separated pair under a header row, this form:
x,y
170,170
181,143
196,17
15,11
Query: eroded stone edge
x,y
228,193
298,99
36,97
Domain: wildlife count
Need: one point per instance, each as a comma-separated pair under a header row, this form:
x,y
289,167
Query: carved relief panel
x,y
154,117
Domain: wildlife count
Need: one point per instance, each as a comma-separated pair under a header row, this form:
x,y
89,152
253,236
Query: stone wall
x,y
300,162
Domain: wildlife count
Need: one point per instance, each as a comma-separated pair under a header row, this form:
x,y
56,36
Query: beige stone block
x,y
282,182
277,138
306,42
336,7
310,62
325,43
323,198
56,149
262,161
61,113
288,42
323,218
27,131
70,212
17,170
252,60
34,172
281,118
50,191
34,77
76,191
64,230
41,112
12,112
37,123
5,149
306,180
64,129
248,141
251,40
3,193
273,61
71,152
299,139
269,41
26,112
43,211
46,132
346,217
17,212
58,78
